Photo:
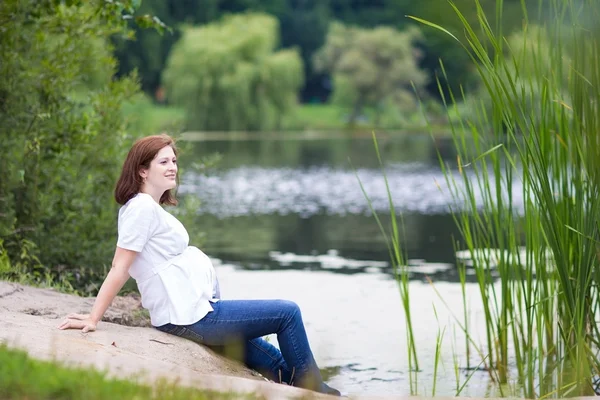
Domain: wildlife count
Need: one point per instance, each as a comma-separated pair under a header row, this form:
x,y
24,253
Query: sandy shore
x,y
30,316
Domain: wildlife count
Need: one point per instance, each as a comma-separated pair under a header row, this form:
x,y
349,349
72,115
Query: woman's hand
x,y
114,281
79,321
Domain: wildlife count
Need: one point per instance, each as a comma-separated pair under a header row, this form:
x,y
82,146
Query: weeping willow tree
x,y
228,76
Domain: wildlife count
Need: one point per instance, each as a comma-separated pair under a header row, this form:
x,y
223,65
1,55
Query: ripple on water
x,y
257,190
330,260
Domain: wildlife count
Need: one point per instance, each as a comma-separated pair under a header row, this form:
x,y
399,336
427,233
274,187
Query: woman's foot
x,y
325,388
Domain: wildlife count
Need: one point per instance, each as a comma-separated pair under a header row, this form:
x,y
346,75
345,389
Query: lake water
x,y
285,217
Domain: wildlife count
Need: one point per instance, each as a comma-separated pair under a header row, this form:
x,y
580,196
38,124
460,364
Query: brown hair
x,y
139,157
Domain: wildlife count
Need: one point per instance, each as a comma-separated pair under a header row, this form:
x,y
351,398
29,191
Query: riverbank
x,y
139,354
146,117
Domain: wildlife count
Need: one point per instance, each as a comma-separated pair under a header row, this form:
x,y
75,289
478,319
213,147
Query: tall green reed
x,y
526,193
438,350
398,257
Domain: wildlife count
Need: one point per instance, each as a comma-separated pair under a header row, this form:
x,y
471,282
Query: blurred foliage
x,y
144,117
149,51
63,135
227,75
304,24
459,70
372,67
530,52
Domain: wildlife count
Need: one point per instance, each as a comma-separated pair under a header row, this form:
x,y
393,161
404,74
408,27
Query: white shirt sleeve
x,y
137,224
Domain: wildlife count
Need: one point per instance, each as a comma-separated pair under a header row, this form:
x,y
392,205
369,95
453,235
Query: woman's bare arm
x,y
114,281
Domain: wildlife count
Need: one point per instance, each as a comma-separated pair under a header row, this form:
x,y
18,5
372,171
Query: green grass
x,y
316,116
147,118
538,128
531,140
334,117
24,378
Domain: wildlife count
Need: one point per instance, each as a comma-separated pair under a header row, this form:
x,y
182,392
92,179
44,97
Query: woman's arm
x,y
114,281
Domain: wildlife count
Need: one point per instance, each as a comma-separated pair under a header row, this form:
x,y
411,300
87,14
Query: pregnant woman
x,y
178,284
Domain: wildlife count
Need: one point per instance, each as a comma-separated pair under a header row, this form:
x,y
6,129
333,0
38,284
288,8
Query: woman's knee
x,y
290,308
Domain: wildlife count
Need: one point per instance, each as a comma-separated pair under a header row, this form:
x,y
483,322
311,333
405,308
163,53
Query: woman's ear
x,y
144,173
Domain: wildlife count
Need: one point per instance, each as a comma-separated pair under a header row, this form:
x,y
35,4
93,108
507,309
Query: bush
x,y
63,136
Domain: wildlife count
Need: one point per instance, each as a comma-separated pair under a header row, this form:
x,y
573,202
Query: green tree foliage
x,y
228,76
304,24
149,50
62,135
371,67
294,21
370,13
459,70
435,45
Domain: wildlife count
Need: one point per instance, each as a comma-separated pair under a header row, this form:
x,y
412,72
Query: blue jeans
x,y
241,324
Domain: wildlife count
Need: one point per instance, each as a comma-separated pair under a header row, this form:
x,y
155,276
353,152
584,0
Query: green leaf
x,y
148,21
436,26
484,154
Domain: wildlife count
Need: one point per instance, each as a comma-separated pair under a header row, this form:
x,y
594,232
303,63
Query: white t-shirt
x,y
177,282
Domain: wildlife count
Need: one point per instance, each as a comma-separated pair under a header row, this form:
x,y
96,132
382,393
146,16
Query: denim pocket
x,y
181,331
176,330
191,335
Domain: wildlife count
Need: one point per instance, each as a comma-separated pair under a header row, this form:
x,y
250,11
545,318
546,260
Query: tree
x,y
148,52
62,136
371,66
228,76
294,21
371,13
147,49
459,70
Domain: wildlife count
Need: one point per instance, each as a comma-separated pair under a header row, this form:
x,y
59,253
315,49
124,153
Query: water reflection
x,y
306,151
353,243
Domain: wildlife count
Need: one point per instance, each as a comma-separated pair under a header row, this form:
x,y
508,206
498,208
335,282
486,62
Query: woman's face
x,y
162,174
